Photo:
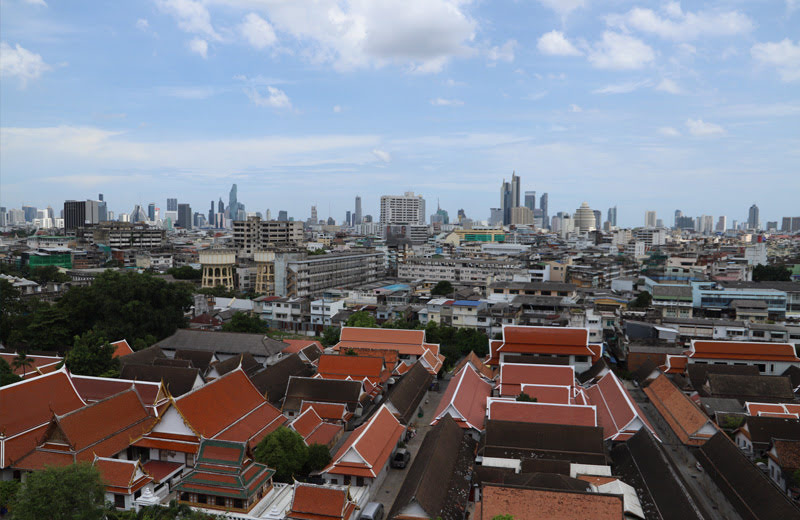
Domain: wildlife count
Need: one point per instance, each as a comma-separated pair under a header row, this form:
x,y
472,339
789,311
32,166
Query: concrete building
x,y
357,212
218,267
311,276
125,235
543,205
752,218
521,216
79,213
584,219
406,209
650,219
530,200
184,216
460,270
256,234
612,216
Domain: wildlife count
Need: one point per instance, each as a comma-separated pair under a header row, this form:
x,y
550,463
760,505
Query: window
x,y
762,367
119,501
190,459
186,497
237,503
581,359
219,501
202,499
758,333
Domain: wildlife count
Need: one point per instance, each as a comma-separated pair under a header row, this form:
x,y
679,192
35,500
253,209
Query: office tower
x,y
545,215
199,220
211,214
172,204
522,216
283,215
598,219
347,218
461,215
650,219
659,223
495,216
678,215
612,216
367,219
30,213
151,211
138,214
78,213
184,216
2,216
722,223
790,224
357,214
752,217
314,215
405,209
233,203
772,225
268,214
220,206
331,221
584,218
102,208
515,190
509,197
530,200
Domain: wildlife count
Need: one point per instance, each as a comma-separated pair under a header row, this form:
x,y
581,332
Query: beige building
x,y
255,234
521,216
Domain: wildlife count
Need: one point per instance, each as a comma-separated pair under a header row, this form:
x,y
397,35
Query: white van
x,y
372,511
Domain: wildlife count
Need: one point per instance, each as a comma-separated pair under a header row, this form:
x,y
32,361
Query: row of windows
x,y
227,502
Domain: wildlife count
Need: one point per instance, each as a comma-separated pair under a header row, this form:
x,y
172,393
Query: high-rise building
x,y
403,209
752,218
612,216
220,206
515,190
357,214
138,214
283,215
543,201
30,213
151,211
314,215
184,216
584,218
495,216
172,204
347,218
461,215
790,224
2,216
509,197
678,214
598,219
722,223
650,219
233,204
211,214
522,216
79,213
530,200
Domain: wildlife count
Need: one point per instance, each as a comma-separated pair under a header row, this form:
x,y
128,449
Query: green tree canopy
x,y
525,398
285,452
771,273
642,301
443,288
330,336
174,511
319,457
92,355
361,319
242,322
61,493
185,272
22,361
7,375
48,273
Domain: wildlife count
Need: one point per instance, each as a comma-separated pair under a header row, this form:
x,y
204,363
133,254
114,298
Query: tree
x,y
48,273
61,493
525,398
92,355
318,458
174,511
185,272
8,493
443,288
361,319
771,273
7,376
220,291
22,361
285,452
330,336
241,322
642,301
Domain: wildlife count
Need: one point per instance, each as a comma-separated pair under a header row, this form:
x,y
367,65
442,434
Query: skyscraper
x,y
678,215
233,204
509,197
598,219
530,200
347,218
612,216
650,219
30,213
172,204
545,214
722,223
515,190
151,211
138,214
585,218
314,215
406,209
357,214
211,214
184,216
78,213
283,215
752,217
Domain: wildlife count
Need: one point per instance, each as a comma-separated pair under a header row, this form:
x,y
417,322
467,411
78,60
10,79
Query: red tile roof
x,y
773,409
390,356
313,429
26,408
540,504
296,345
548,393
313,502
337,366
40,364
465,399
327,411
404,341
747,350
477,364
511,410
513,375
675,364
93,389
372,443
161,469
617,412
306,422
121,475
254,426
689,423
121,348
565,341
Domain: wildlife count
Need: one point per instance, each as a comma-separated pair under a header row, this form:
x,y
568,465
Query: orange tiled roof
x,y
390,356
121,348
465,399
547,413
296,345
773,409
93,389
689,423
408,342
477,364
565,341
254,426
549,393
513,375
358,367
121,474
328,411
675,364
541,504
313,502
617,412
306,422
743,350
41,364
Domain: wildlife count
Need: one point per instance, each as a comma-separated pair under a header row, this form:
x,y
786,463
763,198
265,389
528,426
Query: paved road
x,y
387,493
702,488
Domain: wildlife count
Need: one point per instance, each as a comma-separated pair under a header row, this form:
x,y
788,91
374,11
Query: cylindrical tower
x,y
218,266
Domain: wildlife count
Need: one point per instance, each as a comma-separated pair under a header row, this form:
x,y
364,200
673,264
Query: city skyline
x,y
582,100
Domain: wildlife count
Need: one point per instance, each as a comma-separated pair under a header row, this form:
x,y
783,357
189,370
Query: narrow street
x,y
391,485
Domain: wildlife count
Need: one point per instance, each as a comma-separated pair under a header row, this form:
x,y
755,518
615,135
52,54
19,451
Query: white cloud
x,y
18,62
337,109
199,46
192,16
257,31
669,86
791,5
623,88
382,155
554,43
504,52
620,51
784,55
142,24
669,131
563,7
275,97
700,128
575,108
682,26
442,102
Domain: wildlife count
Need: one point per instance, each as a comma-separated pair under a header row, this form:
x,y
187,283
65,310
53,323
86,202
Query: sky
x,y
640,105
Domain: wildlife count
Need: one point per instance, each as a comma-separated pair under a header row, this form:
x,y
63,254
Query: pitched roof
x,y
272,380
751,388
513,375
406,395
142,357
504,409
686,420
521,440
119,475
746,350
439,478
328,411
465,399
787,454
121,348
341,366
302,389
749,490
313,429
366,451
92,389
200,358
177,380
245,360
39,364
549,393
404,341
544,504
698,373
617,412
476,363
223,342
545,340
26,408
311,349
773,409
314,502
389,355
761,430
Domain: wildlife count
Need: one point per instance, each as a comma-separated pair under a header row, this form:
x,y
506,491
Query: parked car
x,y
401,458
372,511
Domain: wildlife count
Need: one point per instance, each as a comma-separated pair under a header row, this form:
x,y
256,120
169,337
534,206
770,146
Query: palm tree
x,y
22,361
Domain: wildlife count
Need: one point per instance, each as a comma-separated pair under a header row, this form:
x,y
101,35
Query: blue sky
x,y
642,105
